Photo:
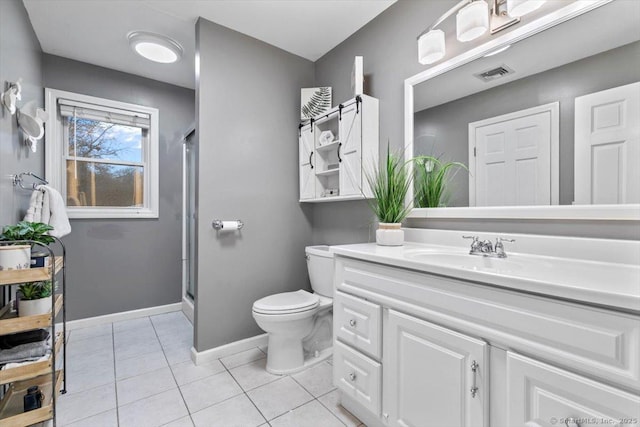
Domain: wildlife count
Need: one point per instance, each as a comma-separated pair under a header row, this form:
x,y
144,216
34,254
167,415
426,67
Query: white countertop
x,y
609,284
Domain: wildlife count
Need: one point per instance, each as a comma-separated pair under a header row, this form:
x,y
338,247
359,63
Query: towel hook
x,y
19,180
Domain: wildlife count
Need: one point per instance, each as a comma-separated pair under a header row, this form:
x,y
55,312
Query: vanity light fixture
x,y
155,47
473,19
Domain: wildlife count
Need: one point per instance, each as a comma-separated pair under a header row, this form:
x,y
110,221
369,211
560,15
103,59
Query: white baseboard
x,y
187,308
201,357
116,317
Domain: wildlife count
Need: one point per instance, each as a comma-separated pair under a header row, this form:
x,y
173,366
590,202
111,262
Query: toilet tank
x,y
320,266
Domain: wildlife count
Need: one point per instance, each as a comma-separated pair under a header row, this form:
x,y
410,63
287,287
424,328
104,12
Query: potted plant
x,y
35,298
24,230
432,177
390,185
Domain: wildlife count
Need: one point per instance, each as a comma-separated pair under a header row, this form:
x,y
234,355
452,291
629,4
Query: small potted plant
x,y
390,185
24,230
35,298
432,177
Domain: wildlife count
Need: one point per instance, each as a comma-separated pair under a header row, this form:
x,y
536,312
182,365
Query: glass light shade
x,y
518,8
472,21
431,47
155,47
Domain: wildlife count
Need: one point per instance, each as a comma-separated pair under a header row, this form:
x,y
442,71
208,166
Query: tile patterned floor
x,y
138,373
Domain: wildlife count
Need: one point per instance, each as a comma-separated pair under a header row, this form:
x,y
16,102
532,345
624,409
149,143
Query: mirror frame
x,y
629,212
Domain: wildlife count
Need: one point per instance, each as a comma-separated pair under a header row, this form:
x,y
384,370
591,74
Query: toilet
x,y
300,323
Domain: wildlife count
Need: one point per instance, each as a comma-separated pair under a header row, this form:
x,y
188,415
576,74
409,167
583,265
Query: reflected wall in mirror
x,y
517,128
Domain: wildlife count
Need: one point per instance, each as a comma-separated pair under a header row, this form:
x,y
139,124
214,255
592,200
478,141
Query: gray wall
x,y
19,58
125,264
447,124
389,46
248,96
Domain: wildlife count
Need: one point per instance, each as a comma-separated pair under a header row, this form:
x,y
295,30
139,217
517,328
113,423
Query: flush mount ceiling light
x,y
155,47
473,19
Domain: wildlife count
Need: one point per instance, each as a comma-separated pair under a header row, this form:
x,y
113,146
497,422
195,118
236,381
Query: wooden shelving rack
x,y
14,382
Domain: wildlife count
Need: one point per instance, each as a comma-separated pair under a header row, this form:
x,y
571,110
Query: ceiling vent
x,y
494,73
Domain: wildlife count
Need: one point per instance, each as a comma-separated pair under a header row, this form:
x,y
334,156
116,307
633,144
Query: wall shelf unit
x,y
334,170
15,381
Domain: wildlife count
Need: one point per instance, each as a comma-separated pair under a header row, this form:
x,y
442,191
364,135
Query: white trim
x,y
117,317
630,212
187,308
54,155
553,109
575,212
202,357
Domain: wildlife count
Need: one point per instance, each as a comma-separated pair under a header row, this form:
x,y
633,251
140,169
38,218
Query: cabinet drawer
x,y
543,395
357,376
595,341
358,323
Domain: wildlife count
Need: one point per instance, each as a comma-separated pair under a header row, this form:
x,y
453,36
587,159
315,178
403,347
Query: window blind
x,y
81,110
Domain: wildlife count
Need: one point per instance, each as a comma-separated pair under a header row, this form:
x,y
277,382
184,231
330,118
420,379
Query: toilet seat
x,y
287,303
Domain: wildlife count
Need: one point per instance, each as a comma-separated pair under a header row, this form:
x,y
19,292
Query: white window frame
x,y
55,164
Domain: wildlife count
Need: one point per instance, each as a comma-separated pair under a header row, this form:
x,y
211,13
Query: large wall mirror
x,y
548,128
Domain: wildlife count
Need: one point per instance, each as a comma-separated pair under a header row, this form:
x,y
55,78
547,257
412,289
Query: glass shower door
x,y
190,151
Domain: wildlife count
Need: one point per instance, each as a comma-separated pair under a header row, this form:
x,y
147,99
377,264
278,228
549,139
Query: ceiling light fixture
x,y
155,47
473,19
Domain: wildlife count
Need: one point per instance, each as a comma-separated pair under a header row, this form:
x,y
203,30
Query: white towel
x,y
59,219
34,212
45,216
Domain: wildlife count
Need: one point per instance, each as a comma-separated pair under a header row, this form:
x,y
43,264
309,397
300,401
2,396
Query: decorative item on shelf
x,y
12,95
15,257
357,76
432,177
329,192
390,186
31,121
33,399
25,230
39,259
34,298
326,137
473,19
314,101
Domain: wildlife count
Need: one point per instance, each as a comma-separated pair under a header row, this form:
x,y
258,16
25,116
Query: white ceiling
x,y
95,31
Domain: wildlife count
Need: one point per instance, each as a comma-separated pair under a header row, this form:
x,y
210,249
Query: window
x,y
102,156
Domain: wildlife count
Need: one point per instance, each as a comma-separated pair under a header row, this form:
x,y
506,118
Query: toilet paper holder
x,y
219,224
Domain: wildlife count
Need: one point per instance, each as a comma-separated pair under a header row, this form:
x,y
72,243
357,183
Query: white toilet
x,y
300,323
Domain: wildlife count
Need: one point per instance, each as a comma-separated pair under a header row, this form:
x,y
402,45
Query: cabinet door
x,y
428,376
350,152
541,395
307,174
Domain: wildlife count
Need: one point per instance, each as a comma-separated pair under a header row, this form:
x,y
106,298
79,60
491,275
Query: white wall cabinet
x,y
453,354
334,170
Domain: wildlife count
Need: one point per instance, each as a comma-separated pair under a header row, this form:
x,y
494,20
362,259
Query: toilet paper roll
x,y
229,225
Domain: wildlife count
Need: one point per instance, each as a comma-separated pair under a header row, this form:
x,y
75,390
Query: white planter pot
x,y
34,307
16,257
389,234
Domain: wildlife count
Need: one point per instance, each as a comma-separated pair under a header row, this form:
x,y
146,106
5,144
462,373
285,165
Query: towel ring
x,y
19,180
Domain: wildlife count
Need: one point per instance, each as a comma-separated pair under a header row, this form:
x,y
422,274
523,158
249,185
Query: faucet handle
x,y
499,248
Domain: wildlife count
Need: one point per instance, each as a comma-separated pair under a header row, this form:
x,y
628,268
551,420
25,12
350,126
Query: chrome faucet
x,y
486,248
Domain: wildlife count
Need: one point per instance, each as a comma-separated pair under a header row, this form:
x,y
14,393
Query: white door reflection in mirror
x,y
513,158
607,146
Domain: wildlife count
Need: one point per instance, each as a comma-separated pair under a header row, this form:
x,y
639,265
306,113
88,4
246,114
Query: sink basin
x,y
464,260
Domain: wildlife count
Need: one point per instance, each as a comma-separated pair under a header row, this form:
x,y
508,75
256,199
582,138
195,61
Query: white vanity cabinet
x,y
433,376
331,170
459,353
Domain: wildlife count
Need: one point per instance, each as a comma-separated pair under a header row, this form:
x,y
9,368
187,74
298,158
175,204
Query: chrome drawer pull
x,y
474,387
352,323
352,376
